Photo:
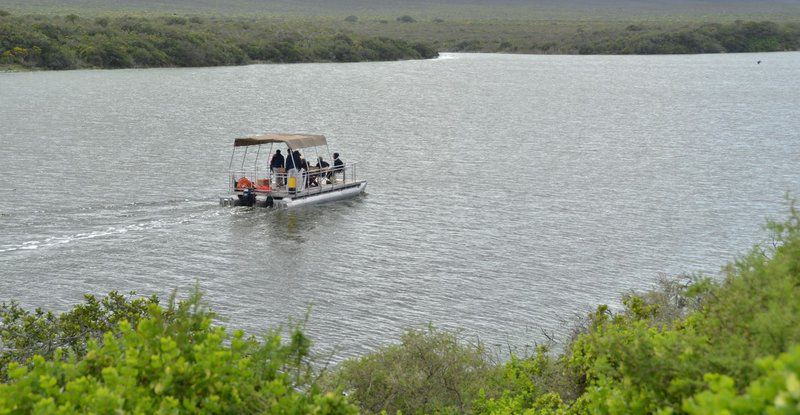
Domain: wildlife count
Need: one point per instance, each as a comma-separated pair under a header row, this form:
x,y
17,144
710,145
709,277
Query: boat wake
x,y
109,221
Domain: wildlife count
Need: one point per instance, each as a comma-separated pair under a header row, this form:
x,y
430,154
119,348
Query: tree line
x,y
71,42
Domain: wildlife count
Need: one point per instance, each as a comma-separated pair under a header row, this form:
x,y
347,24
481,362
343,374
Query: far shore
x,y
34,42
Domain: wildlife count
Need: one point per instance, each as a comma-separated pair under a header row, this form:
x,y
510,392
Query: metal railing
x,y
307,182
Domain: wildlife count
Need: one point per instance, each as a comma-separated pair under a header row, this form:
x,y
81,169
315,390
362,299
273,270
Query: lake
x,y
507,194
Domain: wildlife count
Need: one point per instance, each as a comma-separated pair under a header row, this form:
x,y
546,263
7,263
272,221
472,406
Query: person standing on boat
x,y
290,161
277,167
293,166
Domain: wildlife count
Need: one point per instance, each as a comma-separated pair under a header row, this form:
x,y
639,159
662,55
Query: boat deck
x,y
282,192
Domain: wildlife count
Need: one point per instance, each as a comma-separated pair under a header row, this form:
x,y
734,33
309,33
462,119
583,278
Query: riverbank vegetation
x,y
111,41
70,42
694,345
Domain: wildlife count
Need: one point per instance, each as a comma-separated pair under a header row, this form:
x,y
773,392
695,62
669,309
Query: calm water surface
x,y
506,193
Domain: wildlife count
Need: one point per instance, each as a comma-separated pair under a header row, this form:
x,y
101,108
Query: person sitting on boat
x,y
277,167
321,173
322,164
338,166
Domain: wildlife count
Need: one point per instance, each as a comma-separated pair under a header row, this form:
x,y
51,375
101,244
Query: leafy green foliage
x,y
430,371
128,42
24,334
536,384
777,391
637,361
694,346
173,361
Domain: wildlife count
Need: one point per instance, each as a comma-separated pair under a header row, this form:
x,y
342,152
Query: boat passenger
x,y
338,164
293,161
338,167
322,172
277,167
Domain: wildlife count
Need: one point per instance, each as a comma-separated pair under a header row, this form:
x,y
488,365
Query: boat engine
x,y
247,198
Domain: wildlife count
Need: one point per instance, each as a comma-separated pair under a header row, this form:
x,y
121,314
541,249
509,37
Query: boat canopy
x,y
293,141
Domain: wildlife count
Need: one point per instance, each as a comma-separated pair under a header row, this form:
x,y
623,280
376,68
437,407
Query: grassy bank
x,y
694,345
71,42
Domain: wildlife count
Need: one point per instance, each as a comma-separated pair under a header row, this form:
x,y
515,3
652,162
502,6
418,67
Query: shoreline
x,y
8,70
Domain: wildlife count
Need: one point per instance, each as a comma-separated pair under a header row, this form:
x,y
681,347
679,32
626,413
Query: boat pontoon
x,y
304,183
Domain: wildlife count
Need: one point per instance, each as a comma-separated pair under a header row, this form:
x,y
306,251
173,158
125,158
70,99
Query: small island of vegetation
x,y
702,347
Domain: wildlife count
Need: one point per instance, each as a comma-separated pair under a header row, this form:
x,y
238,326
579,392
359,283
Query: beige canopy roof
x,y
293,141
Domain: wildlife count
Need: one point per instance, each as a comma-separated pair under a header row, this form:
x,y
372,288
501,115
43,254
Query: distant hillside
x,y
467,9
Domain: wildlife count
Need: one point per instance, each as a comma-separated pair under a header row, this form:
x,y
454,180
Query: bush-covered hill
x,y
703,347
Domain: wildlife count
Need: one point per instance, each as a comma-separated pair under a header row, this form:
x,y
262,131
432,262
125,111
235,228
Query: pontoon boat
x,y
298,182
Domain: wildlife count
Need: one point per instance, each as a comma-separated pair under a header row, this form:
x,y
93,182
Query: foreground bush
x,y
430,371
777,391
702,347
24,334
693,346
636,362
172,361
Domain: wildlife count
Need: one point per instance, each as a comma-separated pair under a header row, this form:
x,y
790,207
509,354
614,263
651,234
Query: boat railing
x,y
312,181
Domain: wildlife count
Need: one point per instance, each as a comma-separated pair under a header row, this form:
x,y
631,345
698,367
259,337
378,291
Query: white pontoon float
x,y
298,186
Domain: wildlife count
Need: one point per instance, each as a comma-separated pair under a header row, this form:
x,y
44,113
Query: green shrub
x,y
173,361
430,371
777,391
637,361
537,384
24,334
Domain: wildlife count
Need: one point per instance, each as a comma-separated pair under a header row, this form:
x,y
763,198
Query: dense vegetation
x,y
643,39
71,42
153,360
696,347
700,348
422,10
109,41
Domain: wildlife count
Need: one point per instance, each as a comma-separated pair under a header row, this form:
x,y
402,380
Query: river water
x,y
506,193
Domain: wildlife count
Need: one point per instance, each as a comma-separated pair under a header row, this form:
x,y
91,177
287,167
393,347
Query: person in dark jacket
x,y
276,166
321,164
293,161
277,161
324,174
338,164
338,167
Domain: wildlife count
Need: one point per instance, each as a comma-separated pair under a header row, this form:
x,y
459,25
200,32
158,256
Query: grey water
x,y
506,193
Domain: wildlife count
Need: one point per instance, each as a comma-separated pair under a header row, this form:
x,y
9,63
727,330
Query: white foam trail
x,y
107,232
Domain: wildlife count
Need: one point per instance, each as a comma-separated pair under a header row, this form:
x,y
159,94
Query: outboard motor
x,y
247,198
